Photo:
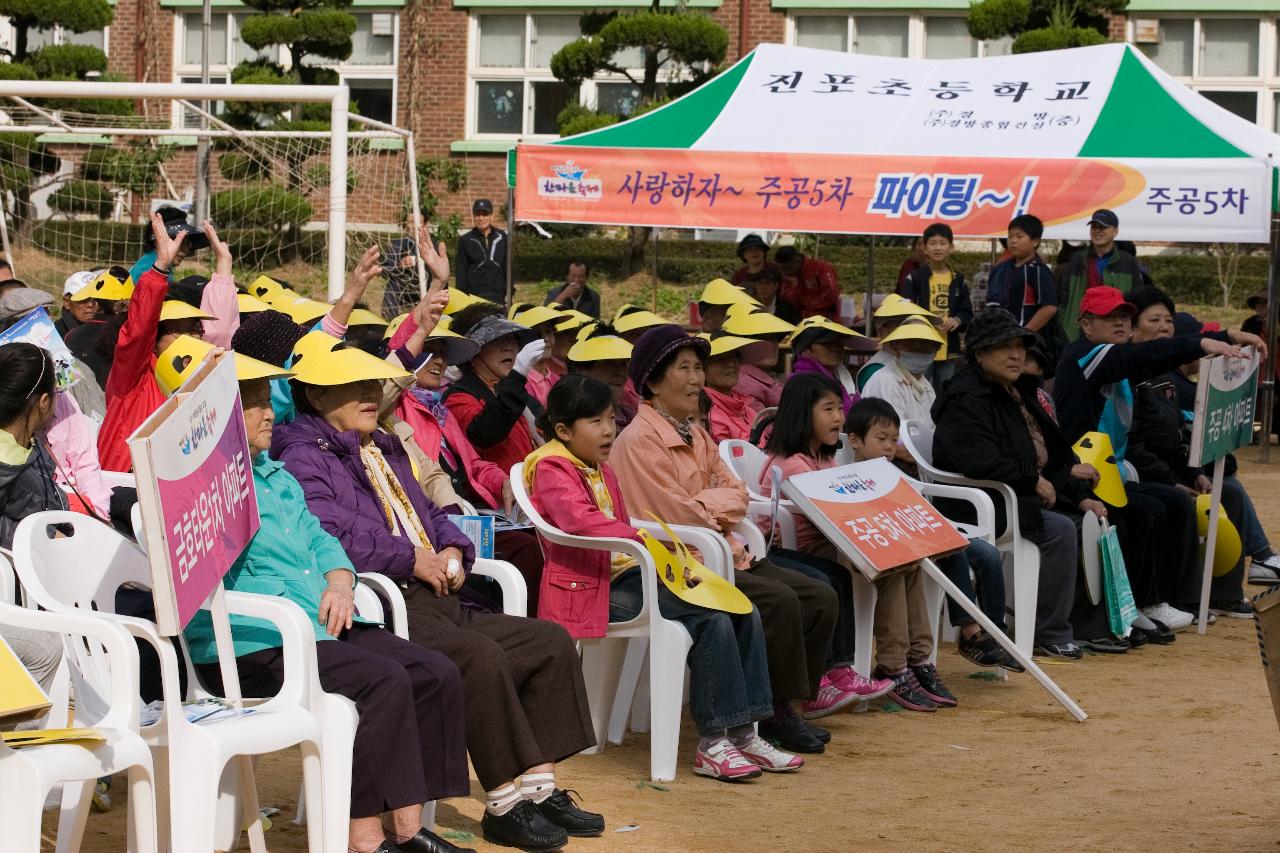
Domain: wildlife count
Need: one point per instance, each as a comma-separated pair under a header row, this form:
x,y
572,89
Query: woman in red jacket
x,y
584,590
152,324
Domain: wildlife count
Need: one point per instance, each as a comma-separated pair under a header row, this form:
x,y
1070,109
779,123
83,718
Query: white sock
x,y
1144,623
499,801
536,787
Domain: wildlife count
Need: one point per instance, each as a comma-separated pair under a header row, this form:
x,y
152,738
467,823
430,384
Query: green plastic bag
x,y
1121,609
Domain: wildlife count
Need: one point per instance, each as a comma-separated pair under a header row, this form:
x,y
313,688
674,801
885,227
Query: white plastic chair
x,y
1021,556
602,659
82,572
108,660
747,462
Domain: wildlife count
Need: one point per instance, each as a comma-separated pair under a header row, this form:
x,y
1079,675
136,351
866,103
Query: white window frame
x,y
526,76
8,36
345,70
1265,84
916,30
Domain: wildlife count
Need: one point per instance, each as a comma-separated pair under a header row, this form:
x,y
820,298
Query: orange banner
x,y
847,194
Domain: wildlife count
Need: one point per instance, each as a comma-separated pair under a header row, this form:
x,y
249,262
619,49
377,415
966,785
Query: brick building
x,y
470,77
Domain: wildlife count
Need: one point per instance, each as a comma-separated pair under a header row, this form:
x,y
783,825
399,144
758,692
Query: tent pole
x,y
511,245
653,274
871,283
1268,386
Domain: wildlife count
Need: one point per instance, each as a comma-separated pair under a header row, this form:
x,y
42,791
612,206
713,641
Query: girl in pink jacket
x,y
573,489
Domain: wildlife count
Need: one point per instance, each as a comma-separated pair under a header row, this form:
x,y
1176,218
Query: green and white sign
x,y
1224,407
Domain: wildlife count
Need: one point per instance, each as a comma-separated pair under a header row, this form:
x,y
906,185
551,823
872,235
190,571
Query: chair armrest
x,y
299,647
515,595
368,605
756,545
398,623
8,578
985,526
711,546
122,654
786,519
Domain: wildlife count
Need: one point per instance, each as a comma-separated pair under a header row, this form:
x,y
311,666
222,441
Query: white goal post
x,y
328,185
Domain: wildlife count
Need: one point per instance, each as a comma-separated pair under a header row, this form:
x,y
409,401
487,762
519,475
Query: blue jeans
x,y
834,575
729,673
1256,543
983,560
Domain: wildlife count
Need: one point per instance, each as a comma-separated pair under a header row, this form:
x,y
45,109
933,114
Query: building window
x,y
908,36
512,90
1243,104
1176,50
38,38
370,71
1229,47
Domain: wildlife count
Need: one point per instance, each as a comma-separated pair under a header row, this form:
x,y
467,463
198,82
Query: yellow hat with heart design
x,y
1094,448
181,358
105,286
321,359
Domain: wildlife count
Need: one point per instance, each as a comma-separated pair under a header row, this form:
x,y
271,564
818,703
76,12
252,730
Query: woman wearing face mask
x,y
912,347
491,399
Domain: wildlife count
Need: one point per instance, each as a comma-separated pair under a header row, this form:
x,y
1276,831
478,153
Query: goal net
x,y
77,185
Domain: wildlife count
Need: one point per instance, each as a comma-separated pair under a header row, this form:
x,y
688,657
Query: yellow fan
x,y
707,590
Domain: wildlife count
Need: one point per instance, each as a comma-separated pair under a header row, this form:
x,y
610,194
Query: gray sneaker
x,y
1265,572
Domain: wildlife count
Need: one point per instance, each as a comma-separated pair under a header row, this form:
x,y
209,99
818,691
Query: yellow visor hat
x,y
304,311
105,286
600,348
532,316
720,292
899,306
394,326
181,358
459,300
1227,548
915,329
752,321
176,309
748,349
321,359
265,288
630,317
572,320
1094,448
247,304
362,317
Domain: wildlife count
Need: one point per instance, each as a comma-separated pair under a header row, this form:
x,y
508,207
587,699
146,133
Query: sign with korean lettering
x,y
826,141
1225,395
195,490
870,511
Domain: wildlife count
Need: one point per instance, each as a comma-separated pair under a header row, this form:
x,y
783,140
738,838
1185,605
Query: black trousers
x,y
526,701
1174,523
410,742
799,616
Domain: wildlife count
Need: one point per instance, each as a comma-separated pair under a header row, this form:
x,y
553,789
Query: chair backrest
x,y
8,580
917,438
81,563
746,461
844,452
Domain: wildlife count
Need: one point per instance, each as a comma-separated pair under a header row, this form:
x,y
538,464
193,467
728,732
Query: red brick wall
x,y
1116,26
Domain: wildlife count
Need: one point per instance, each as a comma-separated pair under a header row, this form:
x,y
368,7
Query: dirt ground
x,y
1179,752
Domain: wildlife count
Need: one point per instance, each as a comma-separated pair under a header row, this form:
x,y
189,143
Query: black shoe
x,y
791,734
1237,608
427,841
817,731
1158,637
523,827
560,809
1061,651
1136,639
929,680
1107,645
981,650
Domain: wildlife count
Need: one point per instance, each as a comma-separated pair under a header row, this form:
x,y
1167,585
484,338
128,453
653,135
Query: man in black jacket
x,y
480,268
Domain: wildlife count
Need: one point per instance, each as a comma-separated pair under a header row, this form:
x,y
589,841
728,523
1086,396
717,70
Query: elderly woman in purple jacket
x,y
526,705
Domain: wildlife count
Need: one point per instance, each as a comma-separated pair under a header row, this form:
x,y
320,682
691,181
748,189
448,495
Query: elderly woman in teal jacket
x,y
410,744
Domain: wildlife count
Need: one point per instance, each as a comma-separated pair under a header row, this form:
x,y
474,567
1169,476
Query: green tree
x,y
321,28
680,50
1038,25
78,16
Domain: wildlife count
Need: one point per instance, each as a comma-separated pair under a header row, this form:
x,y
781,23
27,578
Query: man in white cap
x,y
76,313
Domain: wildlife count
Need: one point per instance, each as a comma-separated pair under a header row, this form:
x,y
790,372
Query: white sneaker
x,y
1266,571
1173,618
768,757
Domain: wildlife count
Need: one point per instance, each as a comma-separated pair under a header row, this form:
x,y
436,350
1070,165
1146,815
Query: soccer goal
x,y
83,164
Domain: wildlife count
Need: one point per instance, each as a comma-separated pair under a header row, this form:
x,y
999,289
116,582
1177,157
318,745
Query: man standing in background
x,y
480,268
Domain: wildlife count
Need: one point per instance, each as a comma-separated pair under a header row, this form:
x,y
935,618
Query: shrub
x,y
992,19
269,207
235,166
1057,38
83,197
69,60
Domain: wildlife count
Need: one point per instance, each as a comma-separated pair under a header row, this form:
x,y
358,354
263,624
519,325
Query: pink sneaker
x,y
829,700
723,761
850,680
768,757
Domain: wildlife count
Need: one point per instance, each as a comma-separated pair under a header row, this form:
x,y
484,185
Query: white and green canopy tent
x,y
798,139
793,138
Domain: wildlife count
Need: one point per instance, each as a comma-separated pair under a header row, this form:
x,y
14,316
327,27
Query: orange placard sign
x,y
871,512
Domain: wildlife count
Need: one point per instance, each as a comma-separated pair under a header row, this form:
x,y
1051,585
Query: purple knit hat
x,y
656,344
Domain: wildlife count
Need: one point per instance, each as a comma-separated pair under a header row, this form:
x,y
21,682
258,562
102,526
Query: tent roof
x,y
1104,101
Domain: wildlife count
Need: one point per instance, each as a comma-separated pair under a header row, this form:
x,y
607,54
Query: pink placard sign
x,y
195,489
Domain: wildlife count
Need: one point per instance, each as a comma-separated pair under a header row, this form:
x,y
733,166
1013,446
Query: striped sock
x,y
499,801
536,787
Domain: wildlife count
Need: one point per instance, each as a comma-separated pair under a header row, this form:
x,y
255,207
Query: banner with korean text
x,y
195,490
801,139
872,514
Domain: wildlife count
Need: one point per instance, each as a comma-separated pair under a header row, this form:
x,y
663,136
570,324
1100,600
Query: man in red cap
x,y
1099,263
1092,392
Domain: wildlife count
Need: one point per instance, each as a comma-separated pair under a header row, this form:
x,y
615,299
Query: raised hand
x,y
434,256
221,251
167,247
